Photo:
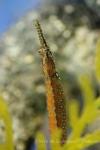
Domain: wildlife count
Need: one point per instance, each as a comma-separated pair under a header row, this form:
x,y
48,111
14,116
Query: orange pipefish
x,y
55,96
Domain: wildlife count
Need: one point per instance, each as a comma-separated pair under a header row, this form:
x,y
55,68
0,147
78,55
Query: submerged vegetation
x,y
6,136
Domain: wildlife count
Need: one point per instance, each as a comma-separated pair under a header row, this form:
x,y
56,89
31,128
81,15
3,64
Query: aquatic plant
x,y
7,142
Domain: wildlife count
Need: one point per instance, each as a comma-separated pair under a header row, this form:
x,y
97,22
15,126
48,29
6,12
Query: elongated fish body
x,y
55,96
